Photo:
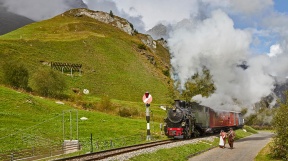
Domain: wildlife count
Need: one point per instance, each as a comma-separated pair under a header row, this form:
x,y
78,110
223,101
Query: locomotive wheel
x,y
186,133
196,133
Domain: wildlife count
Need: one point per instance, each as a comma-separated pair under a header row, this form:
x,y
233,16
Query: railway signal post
x,y
147,99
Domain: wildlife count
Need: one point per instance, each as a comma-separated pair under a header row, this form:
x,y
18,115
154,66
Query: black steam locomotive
x,y
189,119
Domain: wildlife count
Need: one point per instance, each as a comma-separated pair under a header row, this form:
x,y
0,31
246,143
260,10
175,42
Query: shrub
x,y
105,104
142,46
166,72
136,32
128,112
111,13
280,123
86,105
49,83
15,75
124,112
131,25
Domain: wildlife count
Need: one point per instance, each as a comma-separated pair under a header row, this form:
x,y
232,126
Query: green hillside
x,y
28,121
112,62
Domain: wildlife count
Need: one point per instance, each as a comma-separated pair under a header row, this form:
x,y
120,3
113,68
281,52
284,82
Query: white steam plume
x,y
216,44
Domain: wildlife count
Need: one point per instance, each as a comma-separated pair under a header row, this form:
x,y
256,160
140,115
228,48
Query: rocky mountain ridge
x,y
107,18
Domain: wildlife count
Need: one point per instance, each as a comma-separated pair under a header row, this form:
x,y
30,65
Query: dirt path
x,y
245,149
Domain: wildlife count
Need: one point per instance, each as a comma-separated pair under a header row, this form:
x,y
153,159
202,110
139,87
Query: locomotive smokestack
x,y
177,103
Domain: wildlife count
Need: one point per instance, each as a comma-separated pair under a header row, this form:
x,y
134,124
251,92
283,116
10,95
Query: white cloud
x,y
275,50
153,12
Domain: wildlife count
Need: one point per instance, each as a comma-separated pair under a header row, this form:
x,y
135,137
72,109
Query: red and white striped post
x,y
147,99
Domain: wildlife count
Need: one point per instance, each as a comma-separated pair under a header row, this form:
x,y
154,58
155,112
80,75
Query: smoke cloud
x,y
217,45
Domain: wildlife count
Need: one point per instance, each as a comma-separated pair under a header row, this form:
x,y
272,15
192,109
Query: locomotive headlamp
x,y
183,123
174,108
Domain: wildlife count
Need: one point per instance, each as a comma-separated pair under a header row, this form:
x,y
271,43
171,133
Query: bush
x,y
280,123
105,104
16,75
86,105
131,25
49,83
142,46
166,72
136,32
125,112
111,13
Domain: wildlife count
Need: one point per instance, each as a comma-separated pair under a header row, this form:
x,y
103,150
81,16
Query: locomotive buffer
x,y
147,99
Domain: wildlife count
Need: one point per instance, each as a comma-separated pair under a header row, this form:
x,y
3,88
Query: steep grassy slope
x,y
28,120
113,64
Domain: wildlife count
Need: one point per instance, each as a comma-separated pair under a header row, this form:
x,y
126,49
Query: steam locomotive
x,y
190,119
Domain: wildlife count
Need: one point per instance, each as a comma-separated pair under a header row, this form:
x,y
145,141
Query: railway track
x,y
113,152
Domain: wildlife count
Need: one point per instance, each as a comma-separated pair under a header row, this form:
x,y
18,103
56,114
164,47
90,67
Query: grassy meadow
x,y
27,119
112,63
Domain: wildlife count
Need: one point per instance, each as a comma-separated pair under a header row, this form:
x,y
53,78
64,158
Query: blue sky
x,y
281,6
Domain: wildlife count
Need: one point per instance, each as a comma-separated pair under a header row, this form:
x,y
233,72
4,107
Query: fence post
x,y
111,144
91,142
33,150
124,142
97,145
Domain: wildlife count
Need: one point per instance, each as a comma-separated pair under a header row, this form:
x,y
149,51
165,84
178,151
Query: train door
x,y
232,119
207,112
235,118
212,117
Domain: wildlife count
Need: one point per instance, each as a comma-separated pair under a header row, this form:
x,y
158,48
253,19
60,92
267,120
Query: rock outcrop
x,y
116,21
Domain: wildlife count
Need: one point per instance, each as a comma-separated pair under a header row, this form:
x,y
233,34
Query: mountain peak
x,y
159,31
